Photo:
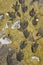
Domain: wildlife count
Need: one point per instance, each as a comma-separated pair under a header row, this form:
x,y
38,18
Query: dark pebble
x,y
24,8
19,56
32,12
11,15
23,44
35,22
26,33
21,1
16,7
24,24
34,47
18,14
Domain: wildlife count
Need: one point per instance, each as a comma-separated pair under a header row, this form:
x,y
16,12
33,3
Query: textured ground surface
x,y
17,36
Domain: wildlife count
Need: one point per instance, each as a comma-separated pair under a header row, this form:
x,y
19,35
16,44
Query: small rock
x,y
1,16
24,24
32,12
23,44
21,1
11,15
34,47
26,33
16,6
19,56
16,24
5,40
35,20
6,14
24,8
35,58
18,14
